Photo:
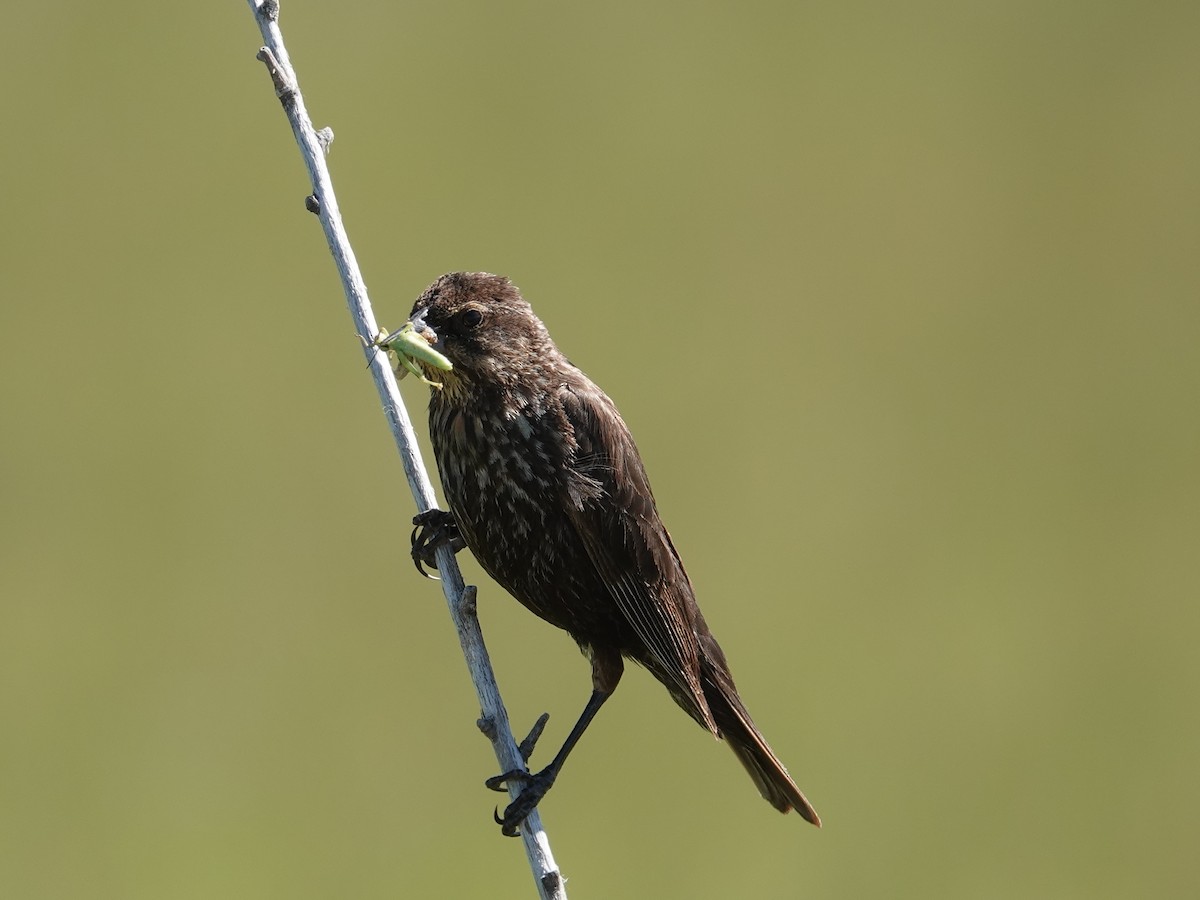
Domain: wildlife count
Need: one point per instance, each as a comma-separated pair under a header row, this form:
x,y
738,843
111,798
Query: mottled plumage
x,y
548,491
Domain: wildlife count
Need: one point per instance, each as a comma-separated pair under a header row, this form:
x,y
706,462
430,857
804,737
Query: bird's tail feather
x,y
750,747
770,776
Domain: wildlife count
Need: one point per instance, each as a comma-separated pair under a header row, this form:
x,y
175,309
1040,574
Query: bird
x,y
547,489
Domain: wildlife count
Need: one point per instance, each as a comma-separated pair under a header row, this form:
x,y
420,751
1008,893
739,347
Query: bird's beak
x,y
416,343
418,325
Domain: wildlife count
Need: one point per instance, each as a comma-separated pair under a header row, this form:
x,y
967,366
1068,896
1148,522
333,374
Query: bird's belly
x,y
508,503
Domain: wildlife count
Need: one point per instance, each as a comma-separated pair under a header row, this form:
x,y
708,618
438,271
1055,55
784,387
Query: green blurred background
x,y
901,301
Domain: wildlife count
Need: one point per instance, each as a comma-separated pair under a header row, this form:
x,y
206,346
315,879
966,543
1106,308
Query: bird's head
x,y
480,329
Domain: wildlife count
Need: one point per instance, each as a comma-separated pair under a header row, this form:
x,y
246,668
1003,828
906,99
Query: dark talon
x,y
505,829
431,528
421,554
499,783
531,795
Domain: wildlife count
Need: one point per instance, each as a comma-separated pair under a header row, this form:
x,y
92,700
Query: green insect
x,y
406,346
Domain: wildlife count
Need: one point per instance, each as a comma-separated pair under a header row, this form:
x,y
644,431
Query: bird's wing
x,y
613,511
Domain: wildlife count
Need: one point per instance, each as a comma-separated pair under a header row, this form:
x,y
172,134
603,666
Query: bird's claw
x,y
500,782
535,788
431,528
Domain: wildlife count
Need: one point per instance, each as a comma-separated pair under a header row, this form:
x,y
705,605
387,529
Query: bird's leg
x,y
431,528
606,672
535,785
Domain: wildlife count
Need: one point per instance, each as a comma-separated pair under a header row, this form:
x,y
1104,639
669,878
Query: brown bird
x,y
547,489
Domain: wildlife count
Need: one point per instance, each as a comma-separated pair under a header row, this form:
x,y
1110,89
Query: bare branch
x,y
459,598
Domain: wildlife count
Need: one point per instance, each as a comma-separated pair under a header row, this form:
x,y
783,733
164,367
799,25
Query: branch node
x,y
325,138
313,204
269,10
467,603
535,733
284,86
487,725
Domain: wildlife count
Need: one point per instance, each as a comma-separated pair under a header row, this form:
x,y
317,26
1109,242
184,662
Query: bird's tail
x,y
747,742
768,773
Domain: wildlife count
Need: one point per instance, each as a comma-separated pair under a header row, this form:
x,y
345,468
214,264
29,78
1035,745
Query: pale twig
x,y
460,598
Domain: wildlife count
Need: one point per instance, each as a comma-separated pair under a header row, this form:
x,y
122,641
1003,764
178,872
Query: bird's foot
x,y
535,787
432,528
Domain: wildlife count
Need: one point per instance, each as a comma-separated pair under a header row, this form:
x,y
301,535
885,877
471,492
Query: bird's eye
x,y
470,318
